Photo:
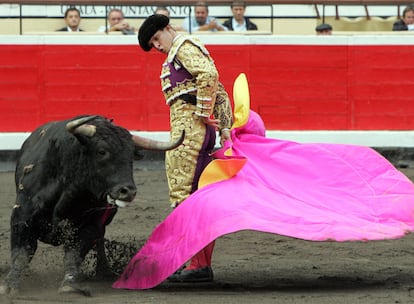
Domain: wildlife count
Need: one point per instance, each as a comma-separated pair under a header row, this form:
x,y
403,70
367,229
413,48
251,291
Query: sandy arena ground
x,y
249,267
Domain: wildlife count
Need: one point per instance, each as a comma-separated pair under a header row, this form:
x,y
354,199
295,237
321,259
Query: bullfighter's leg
x,y
23,247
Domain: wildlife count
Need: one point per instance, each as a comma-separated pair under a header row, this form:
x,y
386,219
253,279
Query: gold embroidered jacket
x,y
189,69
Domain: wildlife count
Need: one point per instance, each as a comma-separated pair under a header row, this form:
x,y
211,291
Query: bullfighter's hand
x,y
224,136
211,122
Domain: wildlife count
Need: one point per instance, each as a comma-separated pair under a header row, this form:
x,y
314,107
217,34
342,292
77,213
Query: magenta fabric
x,y
315,192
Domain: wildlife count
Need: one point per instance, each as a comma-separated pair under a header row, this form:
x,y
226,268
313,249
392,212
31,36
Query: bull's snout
x,y
121,195
125,193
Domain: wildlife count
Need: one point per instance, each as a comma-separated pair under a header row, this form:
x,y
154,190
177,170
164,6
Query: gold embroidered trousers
x,y
185,163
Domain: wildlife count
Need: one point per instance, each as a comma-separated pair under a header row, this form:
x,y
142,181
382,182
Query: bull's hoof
x,y
4,290
7,290
74,288
105,273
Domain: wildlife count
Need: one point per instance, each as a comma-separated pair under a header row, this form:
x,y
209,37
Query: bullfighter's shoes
x,y
204,274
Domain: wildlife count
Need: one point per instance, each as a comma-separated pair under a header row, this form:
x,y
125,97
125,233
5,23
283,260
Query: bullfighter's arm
x,y
222,109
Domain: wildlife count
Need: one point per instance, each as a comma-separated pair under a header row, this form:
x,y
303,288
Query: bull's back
x,y
38,154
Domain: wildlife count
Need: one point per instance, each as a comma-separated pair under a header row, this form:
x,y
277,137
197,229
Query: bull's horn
x,y
150,144
78,126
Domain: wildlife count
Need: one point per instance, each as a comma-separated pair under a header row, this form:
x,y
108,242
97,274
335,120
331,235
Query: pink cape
x,y
316,192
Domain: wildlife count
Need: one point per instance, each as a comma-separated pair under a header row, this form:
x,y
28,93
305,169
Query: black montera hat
x,y
323,27
151,25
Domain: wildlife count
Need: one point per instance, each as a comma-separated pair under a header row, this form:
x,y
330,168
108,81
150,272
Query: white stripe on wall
x,y
402,38
405,139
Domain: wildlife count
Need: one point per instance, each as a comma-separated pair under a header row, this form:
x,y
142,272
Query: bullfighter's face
x,y
163,39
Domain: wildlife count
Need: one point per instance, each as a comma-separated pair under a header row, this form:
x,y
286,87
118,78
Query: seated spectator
x,y
163,10
202,21
116,22
324,29
72,19
239,23
407,21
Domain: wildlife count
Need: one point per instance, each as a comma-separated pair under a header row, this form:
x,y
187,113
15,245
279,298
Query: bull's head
x,y
118,195
79,126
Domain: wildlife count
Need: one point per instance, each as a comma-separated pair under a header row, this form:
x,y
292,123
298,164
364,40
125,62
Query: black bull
x,y
70,177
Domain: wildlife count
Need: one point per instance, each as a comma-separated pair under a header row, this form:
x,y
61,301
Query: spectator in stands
x,y
72,19
324,29
407,21
202,21
163,10
239,23
116,22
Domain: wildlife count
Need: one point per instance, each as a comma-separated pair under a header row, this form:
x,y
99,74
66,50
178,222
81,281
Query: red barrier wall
x,y
293,87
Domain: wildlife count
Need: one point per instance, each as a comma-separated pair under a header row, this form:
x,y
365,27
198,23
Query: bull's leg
x,y
103,269
92,235
70,282
72,262
23,247
102,266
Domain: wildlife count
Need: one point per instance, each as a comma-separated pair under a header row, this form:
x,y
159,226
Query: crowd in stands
x,y
202,21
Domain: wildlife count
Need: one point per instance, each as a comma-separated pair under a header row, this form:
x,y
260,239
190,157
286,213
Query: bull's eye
x,y
102,152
